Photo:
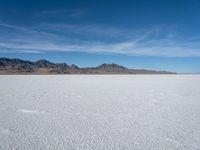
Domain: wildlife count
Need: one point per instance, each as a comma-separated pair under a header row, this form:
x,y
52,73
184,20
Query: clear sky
x,y
149,34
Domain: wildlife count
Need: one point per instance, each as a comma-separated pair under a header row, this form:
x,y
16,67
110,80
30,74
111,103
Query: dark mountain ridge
x,y
18,66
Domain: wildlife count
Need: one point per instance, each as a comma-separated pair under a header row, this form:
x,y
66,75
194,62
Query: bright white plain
x,y
100,112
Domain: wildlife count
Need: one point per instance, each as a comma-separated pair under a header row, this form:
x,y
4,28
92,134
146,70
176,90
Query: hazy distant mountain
x,y
17,66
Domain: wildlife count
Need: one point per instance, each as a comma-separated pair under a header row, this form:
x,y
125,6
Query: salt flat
x,y
100,112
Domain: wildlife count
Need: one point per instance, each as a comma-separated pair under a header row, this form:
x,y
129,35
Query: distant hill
x,y
18,66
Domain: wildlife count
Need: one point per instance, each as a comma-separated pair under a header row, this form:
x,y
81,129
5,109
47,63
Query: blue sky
x,y
150,34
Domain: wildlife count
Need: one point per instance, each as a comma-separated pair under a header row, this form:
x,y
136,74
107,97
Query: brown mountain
x,y
17,66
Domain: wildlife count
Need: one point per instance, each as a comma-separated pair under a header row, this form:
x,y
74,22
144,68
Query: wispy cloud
x,y
90,31
96,38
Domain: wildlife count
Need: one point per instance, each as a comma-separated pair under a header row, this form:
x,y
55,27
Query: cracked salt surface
x,y
30,111
140,112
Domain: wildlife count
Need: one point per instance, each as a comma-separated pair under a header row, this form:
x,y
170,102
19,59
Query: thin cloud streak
x,y
143,43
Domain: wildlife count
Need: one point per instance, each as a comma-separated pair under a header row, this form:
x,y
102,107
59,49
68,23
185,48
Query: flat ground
x,y
100,112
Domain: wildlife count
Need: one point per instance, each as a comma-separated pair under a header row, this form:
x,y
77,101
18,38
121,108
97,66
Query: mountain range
x,y
18,66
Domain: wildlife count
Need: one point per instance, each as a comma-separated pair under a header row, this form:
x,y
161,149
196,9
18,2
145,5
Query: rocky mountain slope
x,y
17,66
